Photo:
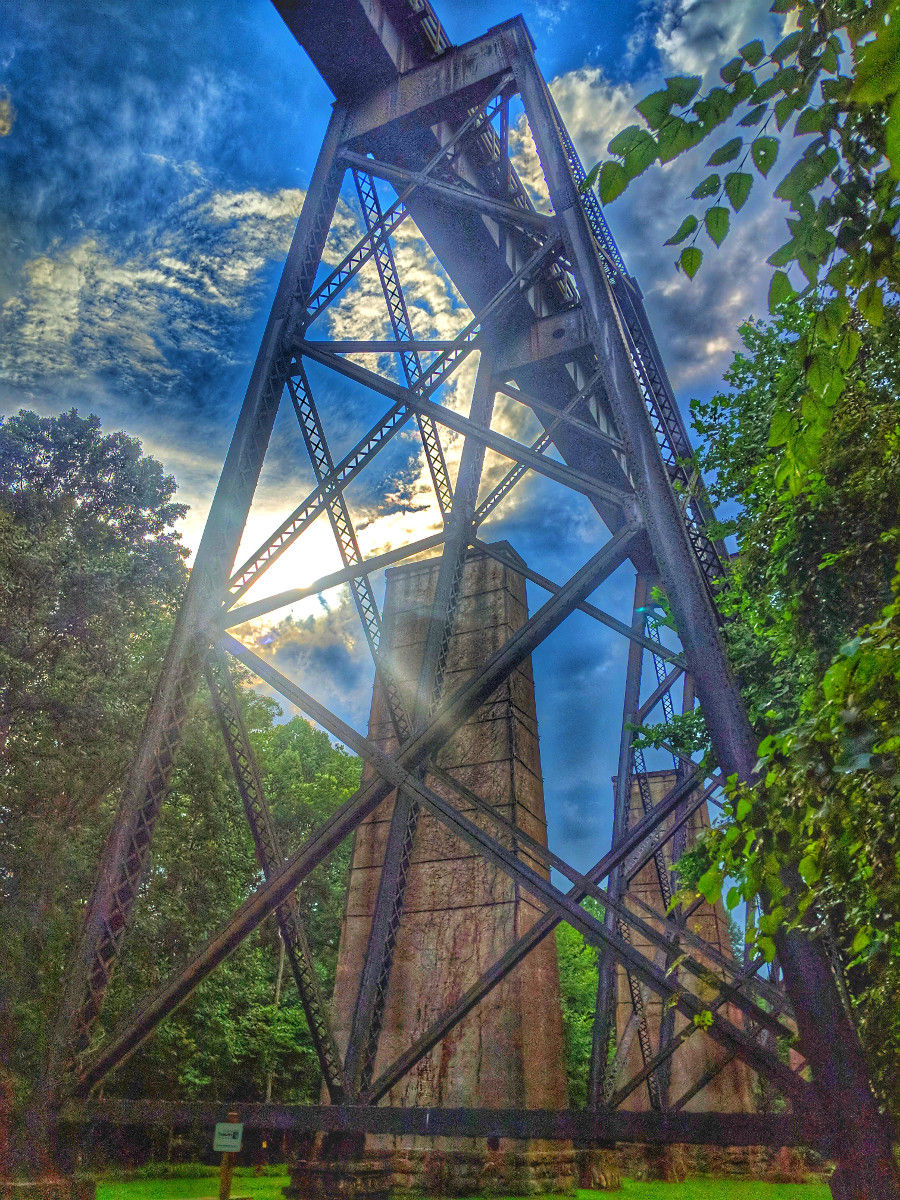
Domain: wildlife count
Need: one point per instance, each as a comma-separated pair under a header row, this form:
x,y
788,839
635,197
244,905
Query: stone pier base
x,y
513,1169
65,1188
675,1163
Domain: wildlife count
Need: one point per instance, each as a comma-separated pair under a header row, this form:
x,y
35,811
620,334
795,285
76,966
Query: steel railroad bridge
x,y
559,326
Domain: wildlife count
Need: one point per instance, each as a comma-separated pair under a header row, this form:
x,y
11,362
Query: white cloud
x,y
87,309
696,37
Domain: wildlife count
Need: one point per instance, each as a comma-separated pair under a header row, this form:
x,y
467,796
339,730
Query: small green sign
x,y
227,1138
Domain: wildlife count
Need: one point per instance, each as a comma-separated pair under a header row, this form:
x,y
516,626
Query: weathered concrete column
x,y
732,1089
461,913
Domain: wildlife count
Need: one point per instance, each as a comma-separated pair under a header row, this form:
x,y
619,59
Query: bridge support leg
x,y
863,1151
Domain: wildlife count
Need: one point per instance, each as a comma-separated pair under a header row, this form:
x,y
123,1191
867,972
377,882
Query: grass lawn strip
x,y
270,1188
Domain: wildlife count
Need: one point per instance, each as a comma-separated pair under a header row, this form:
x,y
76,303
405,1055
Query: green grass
x,y
269,1188
259,1187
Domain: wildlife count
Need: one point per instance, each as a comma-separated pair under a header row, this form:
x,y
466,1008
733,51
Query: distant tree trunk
x,y
271,1073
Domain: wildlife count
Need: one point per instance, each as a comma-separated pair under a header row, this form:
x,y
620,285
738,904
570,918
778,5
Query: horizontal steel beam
x,y
579,1125
259,608
562,335
350,346
508,447
464,76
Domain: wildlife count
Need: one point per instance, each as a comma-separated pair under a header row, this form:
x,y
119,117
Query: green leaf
x,y
752,52
878,67
766,947
636,147
871,304
732,69
744,86
787,46
717,220
784,254
613,180
709,885
677,135
687,227
690,261
892,137
848,348
708,187
829,59
590,179
754,116
764,151
726,153
779,433
655,108
715,107
862,939
683,88
809,868
809,121
733,898
821,374
744,808
737,188
780,290
783,110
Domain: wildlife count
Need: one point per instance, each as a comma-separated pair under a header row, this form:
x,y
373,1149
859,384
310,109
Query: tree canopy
x,y
91,574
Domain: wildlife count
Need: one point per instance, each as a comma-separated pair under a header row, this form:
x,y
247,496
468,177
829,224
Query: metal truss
x,y
559,327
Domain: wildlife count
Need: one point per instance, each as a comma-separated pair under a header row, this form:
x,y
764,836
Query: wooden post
x,y
227,1166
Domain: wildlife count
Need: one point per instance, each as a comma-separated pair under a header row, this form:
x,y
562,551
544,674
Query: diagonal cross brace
x,y
270,858
564,906
450,714
402,327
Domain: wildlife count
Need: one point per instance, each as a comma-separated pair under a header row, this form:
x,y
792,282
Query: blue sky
x,y
153,160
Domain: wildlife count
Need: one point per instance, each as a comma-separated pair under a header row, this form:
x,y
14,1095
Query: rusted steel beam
x,y
464,75
598,1127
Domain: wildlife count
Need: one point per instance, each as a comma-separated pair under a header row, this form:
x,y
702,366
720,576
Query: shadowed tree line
x,y
91,573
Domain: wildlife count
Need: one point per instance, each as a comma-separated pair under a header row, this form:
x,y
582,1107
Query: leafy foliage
x,y
833,84
91,572
829,797
578,992
811,571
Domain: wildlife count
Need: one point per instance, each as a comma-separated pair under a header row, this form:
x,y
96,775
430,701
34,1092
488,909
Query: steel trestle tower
x,y
559,326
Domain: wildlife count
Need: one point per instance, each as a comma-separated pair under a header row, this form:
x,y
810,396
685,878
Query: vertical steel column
x,y
126,853
866,1169
605,1012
